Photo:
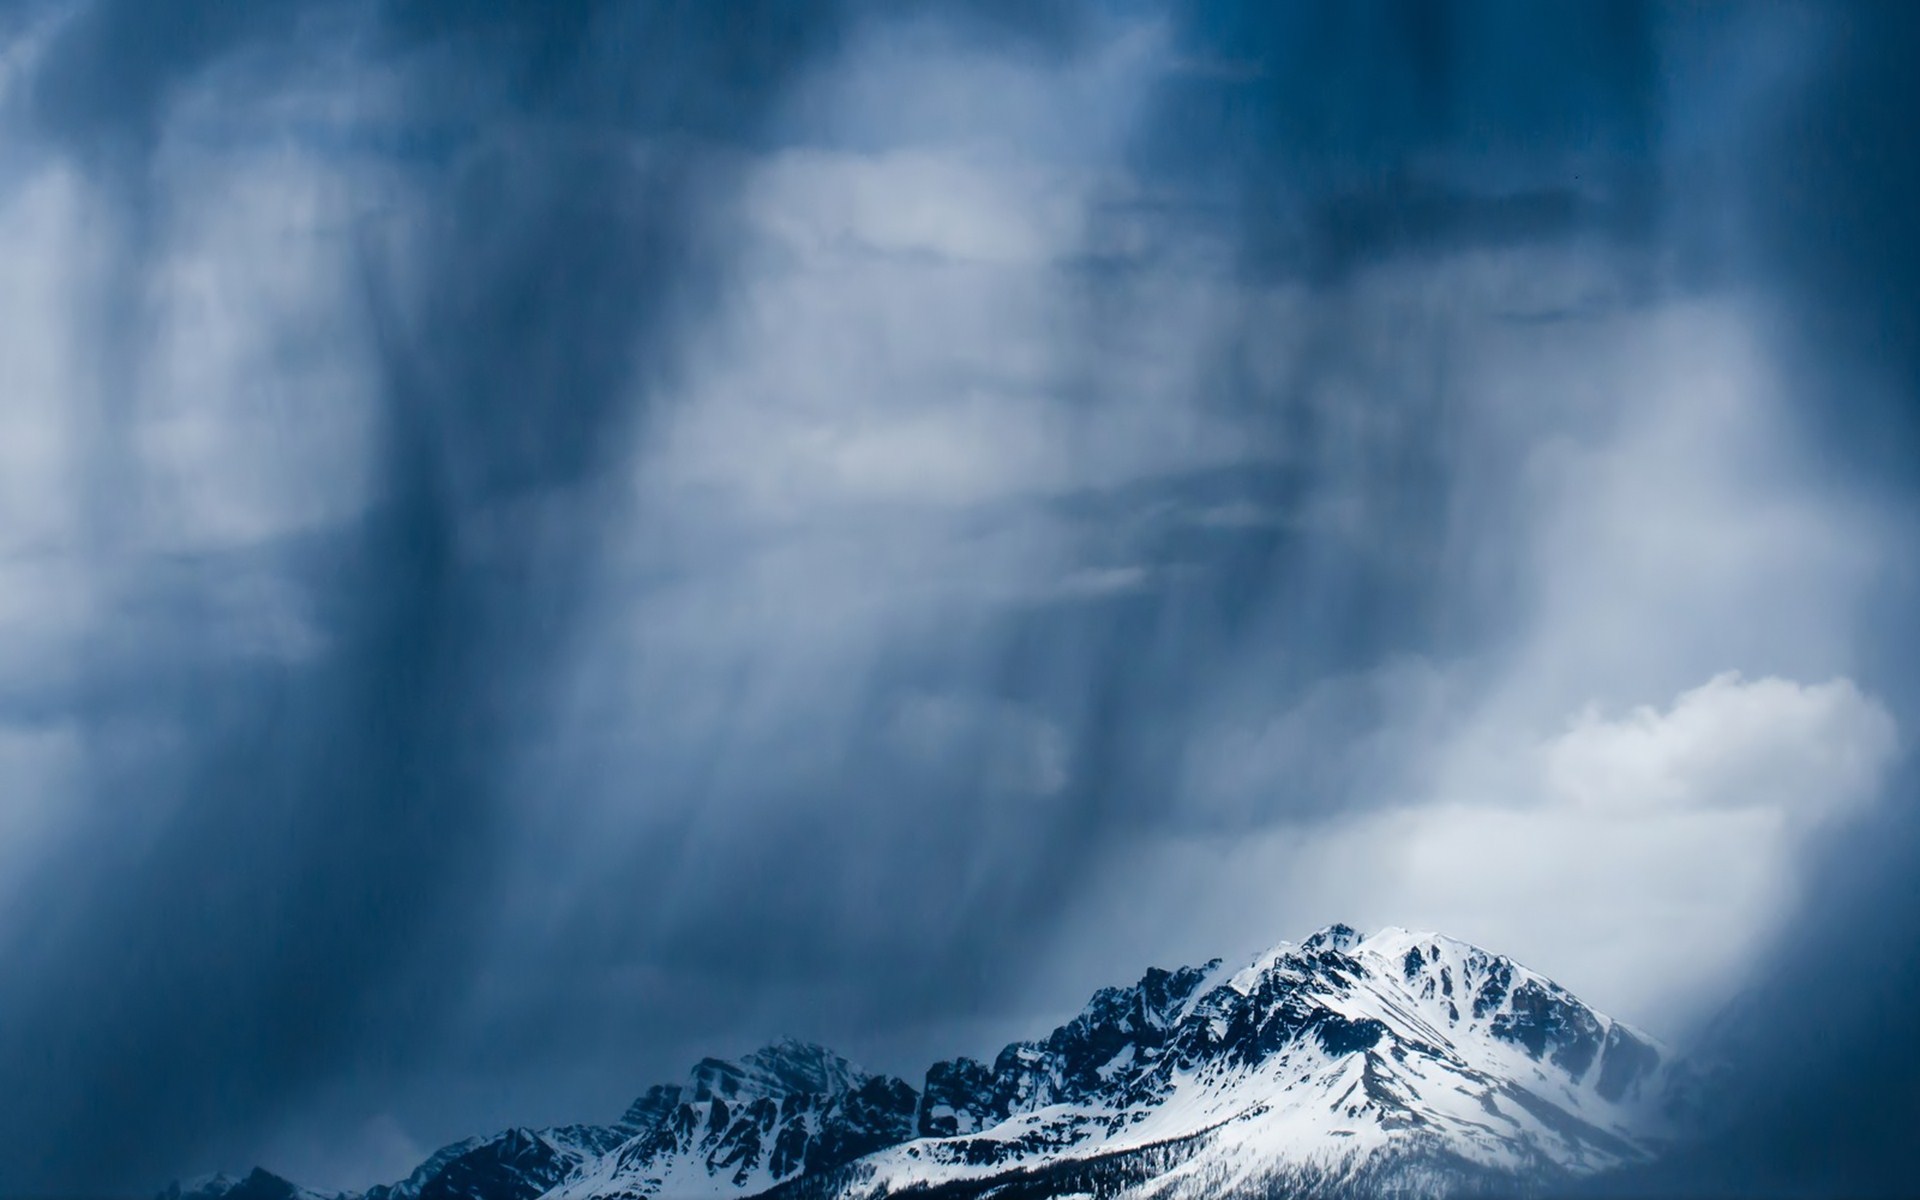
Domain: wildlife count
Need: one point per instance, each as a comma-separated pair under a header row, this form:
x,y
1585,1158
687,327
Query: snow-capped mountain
x,y
1403,1062
739,1128
1397,1064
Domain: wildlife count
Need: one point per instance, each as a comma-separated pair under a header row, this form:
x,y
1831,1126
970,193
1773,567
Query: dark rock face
x,y
1544,1019
257,1184
1626,1061
788,1068
1338,936
516,1164
652,1107
787,1109
519,1164
959,1098
878,1113
1094,1056
1120,1052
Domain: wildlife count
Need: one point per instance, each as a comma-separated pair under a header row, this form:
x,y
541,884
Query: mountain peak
x,y
1343,1064
1337,936
258,1184
785,1068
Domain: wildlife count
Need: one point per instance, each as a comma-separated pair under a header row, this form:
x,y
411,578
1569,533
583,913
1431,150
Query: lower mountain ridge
x,y
1400,1064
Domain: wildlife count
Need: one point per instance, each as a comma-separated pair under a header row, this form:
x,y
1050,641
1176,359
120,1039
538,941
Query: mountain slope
x,y
1401,1063
739,1128
516,1164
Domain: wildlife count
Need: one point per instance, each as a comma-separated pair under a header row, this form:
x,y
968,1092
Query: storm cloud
x,y
539,543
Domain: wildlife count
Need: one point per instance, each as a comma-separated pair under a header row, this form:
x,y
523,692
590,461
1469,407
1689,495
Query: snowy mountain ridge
x,y
1401,1063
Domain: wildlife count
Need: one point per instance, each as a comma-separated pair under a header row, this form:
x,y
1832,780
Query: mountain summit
x,y
1400,1063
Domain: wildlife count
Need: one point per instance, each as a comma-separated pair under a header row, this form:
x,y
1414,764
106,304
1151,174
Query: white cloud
x,y
1807,752
1640,858
255,392
903,332
955,206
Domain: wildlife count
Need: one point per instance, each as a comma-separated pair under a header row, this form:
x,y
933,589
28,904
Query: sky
x,y
538,543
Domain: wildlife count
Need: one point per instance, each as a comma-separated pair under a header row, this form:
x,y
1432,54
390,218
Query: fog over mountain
x,y
540,543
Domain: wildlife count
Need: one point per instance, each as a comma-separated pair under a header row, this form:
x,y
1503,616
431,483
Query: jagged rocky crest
x,y
1397,1064
787,1110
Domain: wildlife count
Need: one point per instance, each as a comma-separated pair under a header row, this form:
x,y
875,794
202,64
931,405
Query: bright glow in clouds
x,y
1644,856
1804,752
1606,796
1641,857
